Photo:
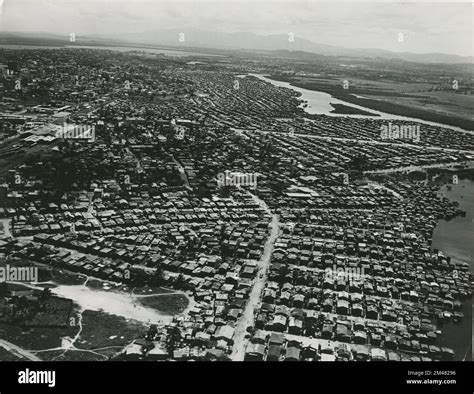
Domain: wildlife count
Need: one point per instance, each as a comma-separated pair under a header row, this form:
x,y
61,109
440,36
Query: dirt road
x,y
18,351
247,317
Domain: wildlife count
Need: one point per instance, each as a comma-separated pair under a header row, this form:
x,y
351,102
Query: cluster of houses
x,y
140,203
274,346
369,129
371,287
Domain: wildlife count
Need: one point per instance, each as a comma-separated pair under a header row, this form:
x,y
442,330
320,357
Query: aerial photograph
x,y
236,181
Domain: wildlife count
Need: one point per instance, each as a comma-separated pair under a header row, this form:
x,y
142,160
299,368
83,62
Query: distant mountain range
x,y
255,42
244,41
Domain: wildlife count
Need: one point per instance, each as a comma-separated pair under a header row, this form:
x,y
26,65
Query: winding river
x,y
319,103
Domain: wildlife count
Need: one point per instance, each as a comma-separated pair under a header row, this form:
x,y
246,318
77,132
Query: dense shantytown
x,y
195,208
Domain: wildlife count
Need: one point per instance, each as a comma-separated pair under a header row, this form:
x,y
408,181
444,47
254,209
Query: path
x,y
18,351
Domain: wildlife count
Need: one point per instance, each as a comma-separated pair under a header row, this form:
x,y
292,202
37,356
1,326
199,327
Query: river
x,y
456,239
319,103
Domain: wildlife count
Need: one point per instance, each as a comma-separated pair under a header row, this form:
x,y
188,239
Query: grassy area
x,y
5,355
172,304
16,286
35,338
49,355
403,110
101,330
13,161
55,312
62,277
80,356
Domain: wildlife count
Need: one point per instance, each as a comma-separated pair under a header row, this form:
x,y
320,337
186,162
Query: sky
x,y
445,27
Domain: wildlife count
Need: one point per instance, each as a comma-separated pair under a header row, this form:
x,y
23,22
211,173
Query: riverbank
x,y
343,109
380,107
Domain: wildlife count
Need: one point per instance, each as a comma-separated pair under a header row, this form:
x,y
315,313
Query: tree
x,y
173,336
359,163
158,277
45,294
152,331
180,282
282,273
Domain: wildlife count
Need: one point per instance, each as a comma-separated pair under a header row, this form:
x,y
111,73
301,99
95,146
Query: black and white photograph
x,y
237,181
